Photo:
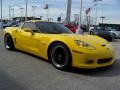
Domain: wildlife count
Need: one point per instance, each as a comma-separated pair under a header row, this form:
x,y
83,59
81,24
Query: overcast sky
x,y
108,8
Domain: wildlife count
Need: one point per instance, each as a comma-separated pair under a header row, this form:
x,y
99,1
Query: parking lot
x,y
21,71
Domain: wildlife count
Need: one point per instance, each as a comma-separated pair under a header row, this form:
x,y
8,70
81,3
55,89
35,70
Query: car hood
x,y
91,39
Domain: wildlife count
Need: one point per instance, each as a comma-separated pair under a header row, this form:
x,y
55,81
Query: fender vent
x,y
103,45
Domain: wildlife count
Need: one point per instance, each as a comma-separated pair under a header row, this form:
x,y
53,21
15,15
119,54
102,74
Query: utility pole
x,y
47,8
12,13
21,9
33,10
26,11
80,16
102,20
88,17
9,12
48,13
68,14
96,4
96,13
1,10
79,30
12,10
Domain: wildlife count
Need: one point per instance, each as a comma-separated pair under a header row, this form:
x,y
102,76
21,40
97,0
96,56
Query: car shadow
x,y
110,71
39,58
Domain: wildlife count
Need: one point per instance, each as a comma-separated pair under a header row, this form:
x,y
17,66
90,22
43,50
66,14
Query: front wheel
x,y
8,42
60,56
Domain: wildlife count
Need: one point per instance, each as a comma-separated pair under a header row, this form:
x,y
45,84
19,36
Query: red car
x,y
72,27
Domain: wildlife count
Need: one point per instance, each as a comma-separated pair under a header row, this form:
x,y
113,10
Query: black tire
x,y
110,39
60,56
114,36
8,42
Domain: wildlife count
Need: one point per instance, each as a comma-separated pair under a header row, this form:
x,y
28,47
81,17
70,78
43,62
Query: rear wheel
x,y
111,38
60,56
92,33
8,42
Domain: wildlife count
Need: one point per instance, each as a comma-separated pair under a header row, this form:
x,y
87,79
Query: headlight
x,y
84,45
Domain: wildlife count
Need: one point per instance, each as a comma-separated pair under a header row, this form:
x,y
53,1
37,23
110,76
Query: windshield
x,y
52,28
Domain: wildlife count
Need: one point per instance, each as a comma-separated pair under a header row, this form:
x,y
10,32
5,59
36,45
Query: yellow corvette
x,y
56,43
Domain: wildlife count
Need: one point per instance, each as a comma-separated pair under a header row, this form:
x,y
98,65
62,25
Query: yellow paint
x,y
38,44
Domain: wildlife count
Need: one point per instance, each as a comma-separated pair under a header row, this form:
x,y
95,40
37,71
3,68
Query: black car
x,y
10,23
102,32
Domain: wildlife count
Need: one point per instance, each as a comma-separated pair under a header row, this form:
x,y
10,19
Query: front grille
x,y
106,60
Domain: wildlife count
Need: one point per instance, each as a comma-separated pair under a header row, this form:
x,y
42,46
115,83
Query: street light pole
x,y
88,15
79,30
1,10
21,9
80,19
9,12
96,13
33,9
48,13
102,20
96,4
26,11
12,13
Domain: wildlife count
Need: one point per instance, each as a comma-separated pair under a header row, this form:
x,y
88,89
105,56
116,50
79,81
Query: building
x,y
114,26
22,19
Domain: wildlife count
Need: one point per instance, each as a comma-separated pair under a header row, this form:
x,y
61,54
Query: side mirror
x,y
29,30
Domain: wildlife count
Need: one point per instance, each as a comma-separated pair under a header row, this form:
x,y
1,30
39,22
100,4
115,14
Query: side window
x,y
30,25
33,27
46,27
26,25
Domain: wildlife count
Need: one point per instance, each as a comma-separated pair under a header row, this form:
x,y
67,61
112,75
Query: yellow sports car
x,y
56,43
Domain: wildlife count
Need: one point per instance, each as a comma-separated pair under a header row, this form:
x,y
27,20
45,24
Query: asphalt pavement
x,y
22,71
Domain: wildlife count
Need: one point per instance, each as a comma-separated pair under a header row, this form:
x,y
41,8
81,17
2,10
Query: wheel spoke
x,y
59,56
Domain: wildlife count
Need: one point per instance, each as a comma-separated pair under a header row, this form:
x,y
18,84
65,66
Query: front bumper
x,y
93,59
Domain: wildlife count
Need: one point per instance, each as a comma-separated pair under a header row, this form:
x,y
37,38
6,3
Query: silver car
x,y
116,33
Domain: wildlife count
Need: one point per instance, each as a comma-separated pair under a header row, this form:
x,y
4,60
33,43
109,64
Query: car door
x,y
27,41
